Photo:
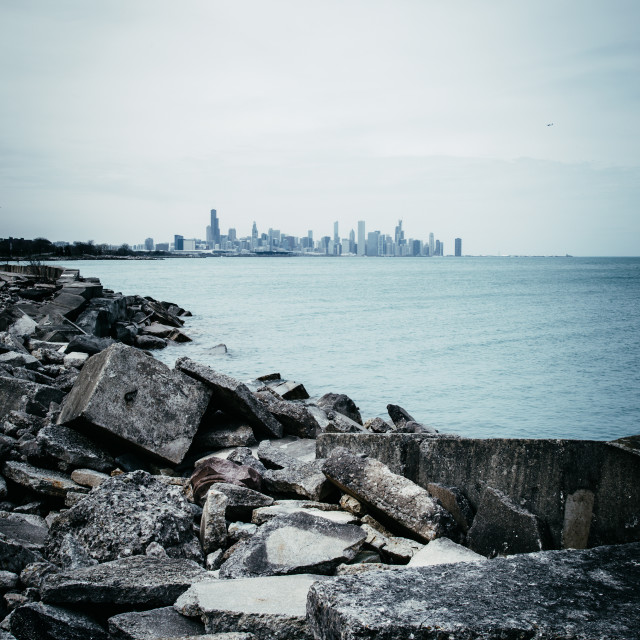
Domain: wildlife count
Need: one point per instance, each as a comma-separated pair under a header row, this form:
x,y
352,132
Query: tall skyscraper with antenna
x,y
215,229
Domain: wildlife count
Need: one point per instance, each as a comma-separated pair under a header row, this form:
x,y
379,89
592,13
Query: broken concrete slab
x,y
303,480
23,395
502,527
444,551
286,507
22,538
125,393
42,481
35,620
391,548
553,594
268,607
213,526
232,397
123,516
164,622
297,543
71,449
402,504
138,582
295,417
455,502
241,501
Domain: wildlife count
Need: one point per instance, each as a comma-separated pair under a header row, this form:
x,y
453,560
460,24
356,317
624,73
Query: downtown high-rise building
x,y
362,242
215,229
458,249
432,245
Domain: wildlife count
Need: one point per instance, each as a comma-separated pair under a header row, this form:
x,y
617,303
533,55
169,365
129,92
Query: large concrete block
x,y
552,479
233,397
593,594
123,392
402,504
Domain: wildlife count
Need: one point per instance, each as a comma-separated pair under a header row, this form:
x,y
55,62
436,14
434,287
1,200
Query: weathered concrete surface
x,y
270,608
296,543
400,502
241,501
38,621
232,397
164,622
444,551
591,595
286,507
22,395
22,538
123,516
71,449
502,527
139,581
213,527
125,393
538,475
42,481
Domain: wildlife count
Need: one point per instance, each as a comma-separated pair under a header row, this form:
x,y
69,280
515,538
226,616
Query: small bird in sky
x,y
550,124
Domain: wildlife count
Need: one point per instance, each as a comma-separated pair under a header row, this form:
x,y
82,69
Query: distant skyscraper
x,y
373,241
254,235
148,244
439,249
432,245
232,235
178,243
361,239
458,247
336,238
209,237
215,229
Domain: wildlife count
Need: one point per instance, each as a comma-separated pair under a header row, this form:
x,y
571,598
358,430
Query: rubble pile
x,y
143,502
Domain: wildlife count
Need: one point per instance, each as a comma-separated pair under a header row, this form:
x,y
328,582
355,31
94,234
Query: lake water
x,y
483,347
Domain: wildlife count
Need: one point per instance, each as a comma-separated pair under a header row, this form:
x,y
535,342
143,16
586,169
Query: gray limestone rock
x,y
232,397
125,393
213,526
401,503
241,501
286,507
71,449
24,395
443,551
164,622
455,502
42,481
149,342
138,582
304,480
268,607
342,404
22,539
38,621
89,477
295,417
286,452
15,554
231,434
398,415
88,344
502,527
591,595
297,543
123,516
391,548
18,359
288,389
377,425
8,580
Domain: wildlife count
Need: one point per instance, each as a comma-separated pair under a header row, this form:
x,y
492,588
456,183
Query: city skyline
x,y
120,118
371,243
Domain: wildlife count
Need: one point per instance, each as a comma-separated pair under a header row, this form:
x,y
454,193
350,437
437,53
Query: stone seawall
x,y
585,493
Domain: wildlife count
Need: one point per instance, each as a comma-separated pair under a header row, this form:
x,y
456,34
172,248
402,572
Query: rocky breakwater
x,y
144,502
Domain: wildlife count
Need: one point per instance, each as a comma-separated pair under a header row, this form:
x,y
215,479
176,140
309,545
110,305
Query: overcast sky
x,y
123,119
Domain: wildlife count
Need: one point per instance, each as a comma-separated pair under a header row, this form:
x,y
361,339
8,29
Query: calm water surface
x,y
484,347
